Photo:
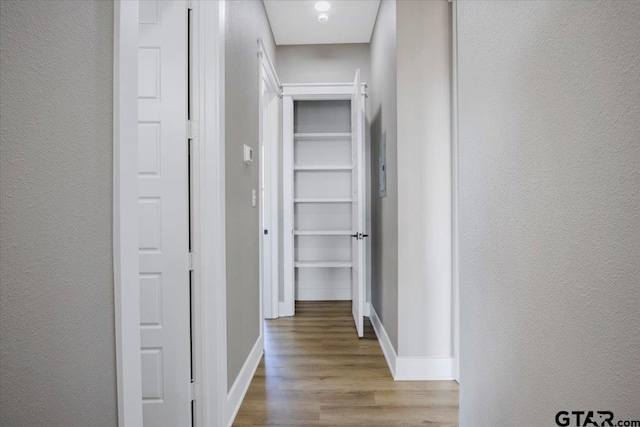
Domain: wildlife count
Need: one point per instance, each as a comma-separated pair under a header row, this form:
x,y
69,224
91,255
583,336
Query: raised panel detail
x,y
151,299
149,218
149,73
152,374
149,149
148,12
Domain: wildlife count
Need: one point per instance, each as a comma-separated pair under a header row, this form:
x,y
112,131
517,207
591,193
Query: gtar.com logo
x,y
590,418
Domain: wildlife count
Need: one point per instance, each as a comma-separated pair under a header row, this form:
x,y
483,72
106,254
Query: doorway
x,y
333,187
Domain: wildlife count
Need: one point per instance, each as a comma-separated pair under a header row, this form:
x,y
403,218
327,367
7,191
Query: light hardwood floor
x,y
316,371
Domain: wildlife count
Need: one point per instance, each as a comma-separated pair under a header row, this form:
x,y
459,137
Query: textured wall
x,y
549,115
56,300
384,212
245,22
424,178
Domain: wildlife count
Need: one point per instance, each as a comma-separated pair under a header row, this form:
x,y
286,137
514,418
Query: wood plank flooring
x,y
317,372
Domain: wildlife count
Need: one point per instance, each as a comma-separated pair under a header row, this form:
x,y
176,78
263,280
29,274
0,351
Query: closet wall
x,y
330,63
384,212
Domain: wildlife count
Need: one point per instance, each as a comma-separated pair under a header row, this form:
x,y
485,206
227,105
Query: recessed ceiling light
x,y
323,6
322,18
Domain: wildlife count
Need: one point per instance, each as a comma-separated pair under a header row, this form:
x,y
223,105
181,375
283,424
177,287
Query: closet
x,y
323,171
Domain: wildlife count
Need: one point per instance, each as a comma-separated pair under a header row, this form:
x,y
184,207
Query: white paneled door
x,y
164,214
357,205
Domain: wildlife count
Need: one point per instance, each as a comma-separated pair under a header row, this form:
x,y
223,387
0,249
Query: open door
x,y
357,205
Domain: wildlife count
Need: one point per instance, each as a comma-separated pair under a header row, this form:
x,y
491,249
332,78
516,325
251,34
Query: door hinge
x,y
194,391
192,129
193,261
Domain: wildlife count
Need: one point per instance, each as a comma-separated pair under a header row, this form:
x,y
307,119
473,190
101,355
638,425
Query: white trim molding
x,y
424,369
269,124
455,273
284,310
323,294
210,316
319,91
243,380
270,69
367,309
410,368
294,92
125,214
288,303
385,343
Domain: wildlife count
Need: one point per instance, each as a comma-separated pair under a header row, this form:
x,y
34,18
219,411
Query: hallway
x,y
317,372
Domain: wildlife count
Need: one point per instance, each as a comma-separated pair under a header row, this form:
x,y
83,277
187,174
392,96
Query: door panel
x,y
357,207
163,214
268,119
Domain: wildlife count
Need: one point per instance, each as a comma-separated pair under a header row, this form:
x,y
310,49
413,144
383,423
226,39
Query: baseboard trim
x,y
283,310
424,369
241,385
323,294
410,368
383,340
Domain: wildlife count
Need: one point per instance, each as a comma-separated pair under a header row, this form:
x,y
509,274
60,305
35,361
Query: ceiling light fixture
x,y
322,18
323,6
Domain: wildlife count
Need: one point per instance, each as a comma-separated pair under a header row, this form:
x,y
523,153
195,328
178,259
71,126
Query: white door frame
x,y
125,213
290,93
455,193
268,124
208,217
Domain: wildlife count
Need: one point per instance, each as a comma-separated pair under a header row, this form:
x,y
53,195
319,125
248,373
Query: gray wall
x,y
424,178
384,212
549,122
245,22
322,62
56,296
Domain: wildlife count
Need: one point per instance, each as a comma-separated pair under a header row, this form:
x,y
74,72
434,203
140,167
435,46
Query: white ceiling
x,y
296,21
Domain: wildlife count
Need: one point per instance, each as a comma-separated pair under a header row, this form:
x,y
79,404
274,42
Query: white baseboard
x,y
410,368
242,382
424,369
323,294
383,339
284,311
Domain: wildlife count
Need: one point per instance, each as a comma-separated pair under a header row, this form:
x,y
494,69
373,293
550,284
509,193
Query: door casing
x,y
269,93
208,213
290,93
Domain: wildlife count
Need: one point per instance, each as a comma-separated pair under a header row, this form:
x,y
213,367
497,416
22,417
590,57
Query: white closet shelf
x,y
323,168
323,264
323,233
321,136
325,200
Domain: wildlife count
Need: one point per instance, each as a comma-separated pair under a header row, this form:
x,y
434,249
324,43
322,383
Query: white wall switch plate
x,y
248,155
